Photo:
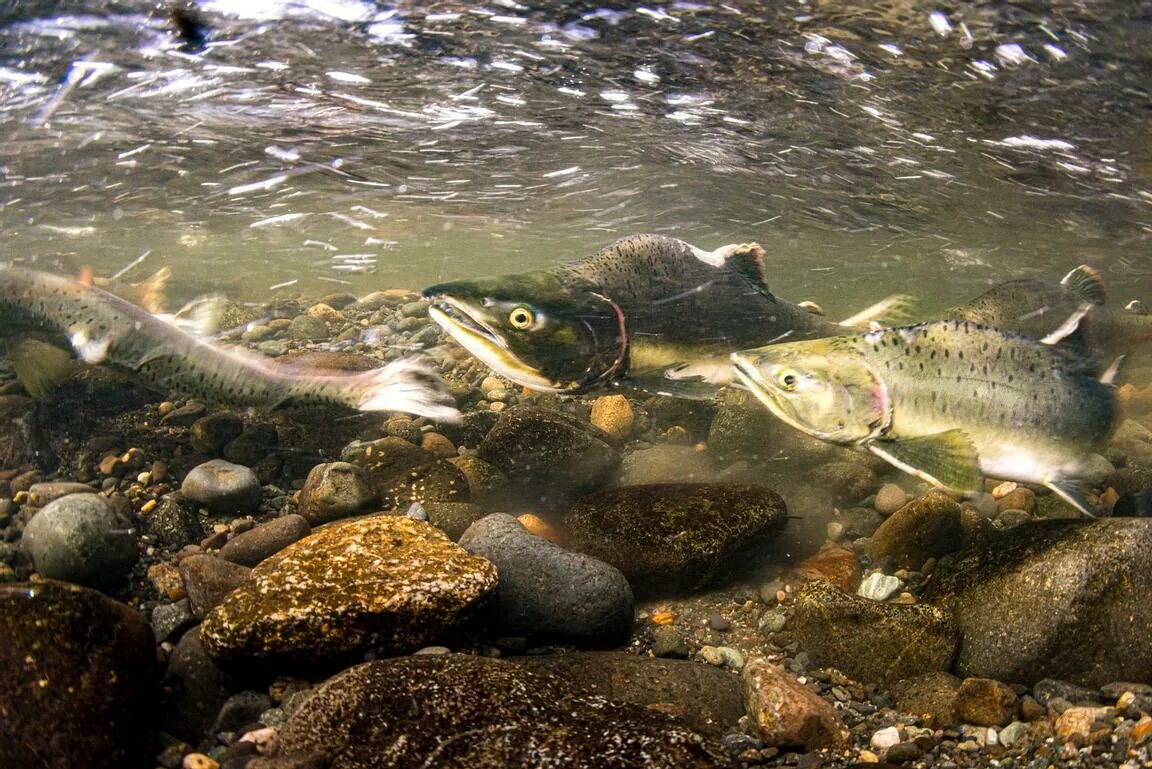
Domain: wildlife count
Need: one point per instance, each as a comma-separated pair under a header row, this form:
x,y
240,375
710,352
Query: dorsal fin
x,y
1085,284
1136,307
747,259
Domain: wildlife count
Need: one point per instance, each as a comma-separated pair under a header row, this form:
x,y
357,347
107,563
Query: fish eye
x,y
522,317
787,379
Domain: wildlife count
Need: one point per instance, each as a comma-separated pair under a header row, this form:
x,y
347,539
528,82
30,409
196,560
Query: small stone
x,y
613,414
199,761
307,328
209,580
335,490
885,738
1013,733
438,445
669,641
772,621
169,620
903,753
889,499
539,527
1018,499
1003,489
719,622
786,713
986,702
211,433
223,487
253,546
722,657
1081,721
879,587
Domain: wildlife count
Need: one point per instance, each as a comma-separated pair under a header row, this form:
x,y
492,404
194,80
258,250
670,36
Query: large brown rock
x,y
1064,599
464,712
669,538
77,679
927,527
386,582
871,641
788,714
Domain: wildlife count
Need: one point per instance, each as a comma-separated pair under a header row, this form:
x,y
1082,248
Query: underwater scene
x,y
575,385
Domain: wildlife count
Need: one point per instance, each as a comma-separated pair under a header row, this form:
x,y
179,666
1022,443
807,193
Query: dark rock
x,y
385,582
308,328
786,713
669,641
401,473
859,522
239,710
335,490
456,712
668,538
927,527
1015,627
931,696
184,416
709,699
253,546
985,702
253,445
547,593
195,689
208,579
211,433
848,482
77,538
487,486
1050,689
21,441
871,641
903,753
453,518
222,487
548,456
471,428
170,620
666,463
172,523
77,679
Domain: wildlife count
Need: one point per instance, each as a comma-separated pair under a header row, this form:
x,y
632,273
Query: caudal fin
x,y
406,385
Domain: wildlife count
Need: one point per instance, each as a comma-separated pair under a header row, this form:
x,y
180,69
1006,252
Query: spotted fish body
x,y
102,328
642,312
944,400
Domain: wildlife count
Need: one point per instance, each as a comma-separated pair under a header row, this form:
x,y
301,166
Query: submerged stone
x,y
454,711
669,538
77,538
386,582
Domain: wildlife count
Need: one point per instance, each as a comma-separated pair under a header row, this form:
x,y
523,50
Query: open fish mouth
x,y
486,344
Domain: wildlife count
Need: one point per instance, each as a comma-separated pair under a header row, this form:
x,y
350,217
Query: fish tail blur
x,y
403,385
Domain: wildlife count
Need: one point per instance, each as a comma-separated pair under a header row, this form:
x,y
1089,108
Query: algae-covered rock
x,y
465,712
1065,599
927,527
386,582
870,641
77,679
675,537
335,490
400,472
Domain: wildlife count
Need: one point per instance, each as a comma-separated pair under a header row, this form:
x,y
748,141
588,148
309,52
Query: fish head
x,y
818,387
535,329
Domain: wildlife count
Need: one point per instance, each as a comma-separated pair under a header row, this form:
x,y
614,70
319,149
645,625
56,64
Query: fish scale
x,y
103,328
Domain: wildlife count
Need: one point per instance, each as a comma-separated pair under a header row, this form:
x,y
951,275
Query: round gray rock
x,y
548,593
77,538
222,487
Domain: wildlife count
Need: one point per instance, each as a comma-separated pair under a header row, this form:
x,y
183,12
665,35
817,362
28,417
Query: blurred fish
x,y
648,311
946,401
101,328
1039,308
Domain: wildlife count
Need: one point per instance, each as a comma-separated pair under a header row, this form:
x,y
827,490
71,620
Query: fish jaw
x,y
486,345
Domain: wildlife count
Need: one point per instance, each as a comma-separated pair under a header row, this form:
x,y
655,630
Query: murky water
x,y
912,146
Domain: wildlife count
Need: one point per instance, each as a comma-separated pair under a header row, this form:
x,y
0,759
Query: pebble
x,y
223,487
772,621
1013,733
879,587
719,622
722,657
614,415
77,538
889,499
199,761
250,547
885,738
669,641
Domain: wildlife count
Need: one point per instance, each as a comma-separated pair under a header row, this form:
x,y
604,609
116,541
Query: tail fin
x,y
405,385
892,310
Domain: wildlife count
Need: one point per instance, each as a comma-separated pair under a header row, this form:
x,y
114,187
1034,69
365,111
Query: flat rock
x,y
707,698
335,490
400,473
870,641
1064,599
251,547
465,712
547,593
548,456
927,527
669,538
786,713
386,582
222,487
77,538
77,679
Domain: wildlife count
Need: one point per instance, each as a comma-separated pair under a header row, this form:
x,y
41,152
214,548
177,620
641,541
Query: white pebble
x,y
879,586
885,738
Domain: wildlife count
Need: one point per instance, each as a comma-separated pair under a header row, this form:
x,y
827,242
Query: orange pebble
x,y
663,618
539,527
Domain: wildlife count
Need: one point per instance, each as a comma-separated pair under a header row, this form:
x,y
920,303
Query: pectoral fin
x,y
946,459
41,367
1071,492
658,383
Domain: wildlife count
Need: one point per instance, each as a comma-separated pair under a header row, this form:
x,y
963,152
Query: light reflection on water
x,y
345,144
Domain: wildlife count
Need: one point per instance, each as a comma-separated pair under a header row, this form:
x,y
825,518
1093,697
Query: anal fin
x,y
1071,492
946,459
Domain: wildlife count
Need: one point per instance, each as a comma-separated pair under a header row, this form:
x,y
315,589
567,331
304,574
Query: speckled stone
x,y
668,538
455,711
335,490
926,527
77,679
786,713
401,473
985,702
614,415
386,582
870,641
